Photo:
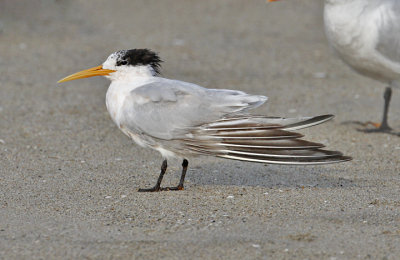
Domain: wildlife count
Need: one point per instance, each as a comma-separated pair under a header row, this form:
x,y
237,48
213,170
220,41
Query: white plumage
x,y
365,34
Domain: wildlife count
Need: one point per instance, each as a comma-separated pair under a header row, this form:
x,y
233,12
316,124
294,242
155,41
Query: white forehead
x,y
111,61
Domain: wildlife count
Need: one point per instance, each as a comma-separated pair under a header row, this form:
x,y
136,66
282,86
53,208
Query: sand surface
x,y
69,177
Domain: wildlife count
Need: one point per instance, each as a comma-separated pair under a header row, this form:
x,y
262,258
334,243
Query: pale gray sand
x,y
69,177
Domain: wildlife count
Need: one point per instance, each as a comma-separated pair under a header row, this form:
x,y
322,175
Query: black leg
x,y
387,96
383,127
185,164
157,186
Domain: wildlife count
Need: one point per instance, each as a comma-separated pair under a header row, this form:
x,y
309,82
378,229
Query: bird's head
x,y
135,62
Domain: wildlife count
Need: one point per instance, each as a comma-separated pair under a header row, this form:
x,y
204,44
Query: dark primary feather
x,y
262,142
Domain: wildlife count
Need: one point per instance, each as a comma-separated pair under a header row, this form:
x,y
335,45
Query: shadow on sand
x,y
270,176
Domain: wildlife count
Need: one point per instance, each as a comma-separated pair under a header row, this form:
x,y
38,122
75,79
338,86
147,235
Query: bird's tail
x,y
263,139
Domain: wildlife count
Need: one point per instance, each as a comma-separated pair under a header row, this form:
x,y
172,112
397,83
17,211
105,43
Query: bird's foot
x,y
157,189
179,187
379,130
154,189
380,127
377,127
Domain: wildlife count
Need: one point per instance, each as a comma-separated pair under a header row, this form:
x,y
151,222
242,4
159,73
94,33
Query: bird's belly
x,y
367,64
148,142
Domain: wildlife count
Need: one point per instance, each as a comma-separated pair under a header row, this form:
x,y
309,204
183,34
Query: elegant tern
x,y
181,120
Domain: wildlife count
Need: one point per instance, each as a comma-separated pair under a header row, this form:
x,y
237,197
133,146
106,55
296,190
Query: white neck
x,y
130,73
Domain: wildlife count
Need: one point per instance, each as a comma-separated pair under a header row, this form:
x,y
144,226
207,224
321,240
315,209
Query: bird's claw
x,y
157,189
154,189
172,188
376,125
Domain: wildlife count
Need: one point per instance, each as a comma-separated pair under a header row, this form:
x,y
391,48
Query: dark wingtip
x,y
346,158
325,117
316,120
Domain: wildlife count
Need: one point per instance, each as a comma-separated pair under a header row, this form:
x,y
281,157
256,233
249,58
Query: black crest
x,y
139,57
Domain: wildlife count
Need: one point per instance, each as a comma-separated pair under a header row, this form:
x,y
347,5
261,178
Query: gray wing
x,y
388,43
169,109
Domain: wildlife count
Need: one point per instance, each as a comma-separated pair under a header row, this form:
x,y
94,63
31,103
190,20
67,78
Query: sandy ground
x,y
69,177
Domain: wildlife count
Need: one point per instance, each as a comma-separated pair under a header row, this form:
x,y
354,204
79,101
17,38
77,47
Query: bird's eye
x,y
122,62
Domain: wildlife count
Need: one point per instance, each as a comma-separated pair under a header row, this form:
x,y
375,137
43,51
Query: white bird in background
x,y
181,119
365,34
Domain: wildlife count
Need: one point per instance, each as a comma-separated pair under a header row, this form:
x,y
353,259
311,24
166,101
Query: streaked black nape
x,y
137,57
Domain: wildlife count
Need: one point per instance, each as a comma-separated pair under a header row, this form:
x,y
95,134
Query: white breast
x,y
115,97
117,92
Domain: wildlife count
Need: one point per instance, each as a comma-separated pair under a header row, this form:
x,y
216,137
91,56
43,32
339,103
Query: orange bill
x,y
96,71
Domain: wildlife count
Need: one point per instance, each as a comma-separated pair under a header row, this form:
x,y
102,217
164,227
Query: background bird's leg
x,y
387,96
383,126
157,186
185,164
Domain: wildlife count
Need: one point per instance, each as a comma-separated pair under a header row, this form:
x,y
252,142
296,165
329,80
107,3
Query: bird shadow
x,y
233,173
